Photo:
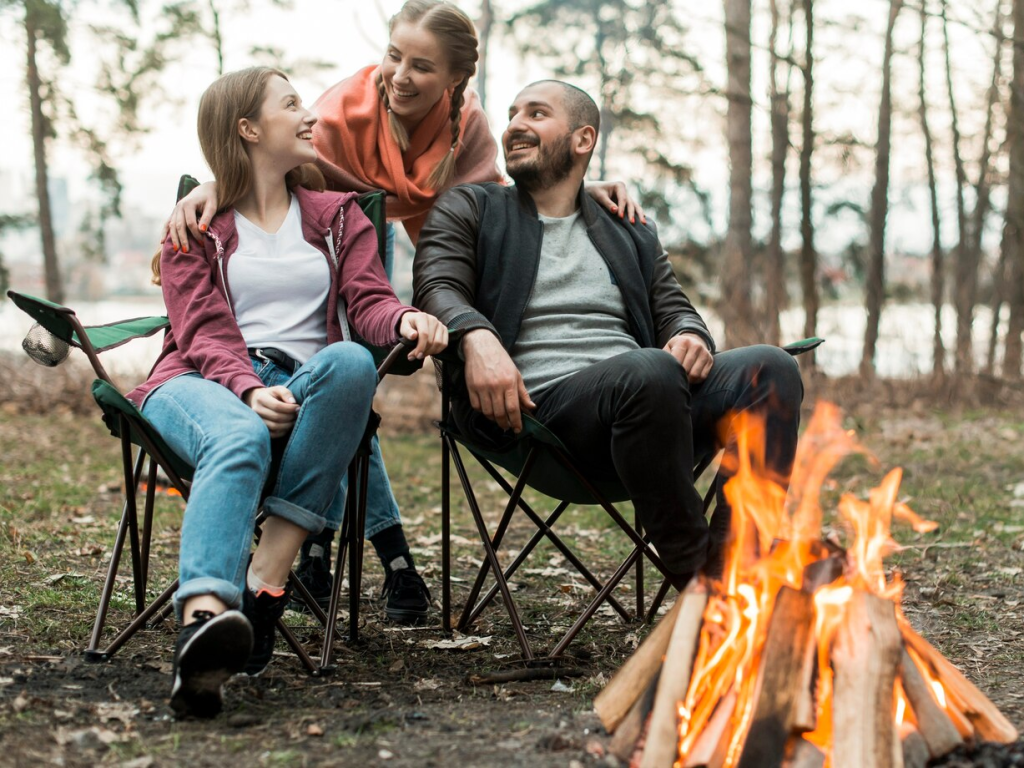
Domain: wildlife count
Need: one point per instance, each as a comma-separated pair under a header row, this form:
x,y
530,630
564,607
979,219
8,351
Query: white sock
x,y
257,585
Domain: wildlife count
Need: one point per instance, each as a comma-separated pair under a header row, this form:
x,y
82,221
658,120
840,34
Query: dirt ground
x,y
395,701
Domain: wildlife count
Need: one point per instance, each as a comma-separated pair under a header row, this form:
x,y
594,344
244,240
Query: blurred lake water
x,y
904,345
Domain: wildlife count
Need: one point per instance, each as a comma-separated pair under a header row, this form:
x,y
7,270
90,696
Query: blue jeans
x,y
230,449
381,506
389,251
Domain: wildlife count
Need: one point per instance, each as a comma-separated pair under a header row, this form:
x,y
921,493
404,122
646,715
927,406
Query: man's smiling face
x,y
538,140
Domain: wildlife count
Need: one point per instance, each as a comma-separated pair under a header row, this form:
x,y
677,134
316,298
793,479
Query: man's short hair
x,y
581,108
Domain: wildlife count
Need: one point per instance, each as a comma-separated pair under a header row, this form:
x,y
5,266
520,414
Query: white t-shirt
x,y
279,285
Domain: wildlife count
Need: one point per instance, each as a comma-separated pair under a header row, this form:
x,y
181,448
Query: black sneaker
x,y
209,651
314,571
263,611
408,598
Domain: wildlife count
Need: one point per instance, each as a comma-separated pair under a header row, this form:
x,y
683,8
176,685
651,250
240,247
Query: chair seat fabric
x,y
548,476
114,404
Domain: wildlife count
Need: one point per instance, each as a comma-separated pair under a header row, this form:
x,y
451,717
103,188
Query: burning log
x,y
866,654
982,713
915,749
618,697
804,755
933,725
710,748
628,733
784,695
663,732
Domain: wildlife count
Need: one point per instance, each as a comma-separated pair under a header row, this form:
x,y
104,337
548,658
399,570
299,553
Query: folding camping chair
x,y
538,459
58,328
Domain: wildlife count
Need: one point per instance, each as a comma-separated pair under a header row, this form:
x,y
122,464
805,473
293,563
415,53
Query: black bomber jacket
x,y
477,256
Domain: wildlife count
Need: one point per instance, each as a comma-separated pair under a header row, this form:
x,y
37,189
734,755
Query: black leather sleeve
x,y
444,272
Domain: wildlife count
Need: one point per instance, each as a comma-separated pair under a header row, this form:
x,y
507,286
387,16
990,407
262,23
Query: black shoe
x,y
408,598
209,651
314,571
263,611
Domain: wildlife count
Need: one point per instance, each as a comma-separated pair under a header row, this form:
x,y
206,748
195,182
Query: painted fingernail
x,y
184,249
175,248
644,219
202,227
632,220
614,208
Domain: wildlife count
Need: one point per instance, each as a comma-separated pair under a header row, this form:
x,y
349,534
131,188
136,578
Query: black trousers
x,y
636,416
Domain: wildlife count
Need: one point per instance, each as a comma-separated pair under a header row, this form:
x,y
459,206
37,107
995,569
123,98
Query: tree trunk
x,y
775,281
1014,227
216,37
938,277
962,292
999,291
879,204
484,27
982,199
808,254
40,132
739,246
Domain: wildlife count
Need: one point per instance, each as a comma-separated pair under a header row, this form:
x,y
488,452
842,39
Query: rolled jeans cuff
x,y
228,593
278,507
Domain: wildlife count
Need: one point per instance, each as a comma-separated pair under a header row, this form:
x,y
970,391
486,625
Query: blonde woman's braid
x,y
444,173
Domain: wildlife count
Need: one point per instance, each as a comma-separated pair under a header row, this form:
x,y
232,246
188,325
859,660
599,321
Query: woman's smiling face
x,y
415,72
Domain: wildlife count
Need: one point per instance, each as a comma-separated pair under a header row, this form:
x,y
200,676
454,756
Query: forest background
x,y
798,155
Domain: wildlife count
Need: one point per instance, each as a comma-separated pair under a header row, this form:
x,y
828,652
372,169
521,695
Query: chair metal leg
x,y
147,520
652,612
638,527
545,528
499,534
584,617
355,559
524,553
297,648
638,540
492,557
94,654
131,480
115,559
446,532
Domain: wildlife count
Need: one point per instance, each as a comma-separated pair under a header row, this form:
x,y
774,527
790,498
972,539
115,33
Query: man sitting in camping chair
x,y
574,315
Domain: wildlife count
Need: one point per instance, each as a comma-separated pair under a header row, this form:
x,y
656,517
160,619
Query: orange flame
x,y
774,536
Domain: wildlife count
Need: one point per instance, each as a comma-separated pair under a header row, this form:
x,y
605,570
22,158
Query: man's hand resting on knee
x,y
495,385
692,353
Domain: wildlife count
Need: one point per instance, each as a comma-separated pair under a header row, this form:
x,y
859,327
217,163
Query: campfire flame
x,y
775,536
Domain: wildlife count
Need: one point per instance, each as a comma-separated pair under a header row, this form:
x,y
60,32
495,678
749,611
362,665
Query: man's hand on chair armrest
x,y
494,383
692,353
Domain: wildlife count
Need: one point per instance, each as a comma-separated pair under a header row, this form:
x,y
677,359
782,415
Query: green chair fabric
x,y
114,404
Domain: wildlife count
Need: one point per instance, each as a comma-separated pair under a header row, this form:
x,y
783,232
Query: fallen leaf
x,y
385,754
426,685
467,643
397,666
121,711
560,687
314,730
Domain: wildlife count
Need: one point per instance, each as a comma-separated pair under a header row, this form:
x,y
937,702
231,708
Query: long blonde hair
x,y
231,98
457,37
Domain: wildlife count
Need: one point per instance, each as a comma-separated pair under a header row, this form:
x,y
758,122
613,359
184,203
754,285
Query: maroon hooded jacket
x,y
204,336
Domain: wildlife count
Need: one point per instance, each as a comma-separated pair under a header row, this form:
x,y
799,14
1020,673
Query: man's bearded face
x,y
534,164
